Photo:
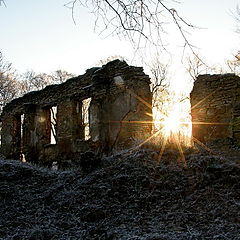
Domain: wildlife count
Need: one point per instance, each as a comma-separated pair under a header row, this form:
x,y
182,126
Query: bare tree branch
x,y
140,21
234,64
195,66
159,76
31,81
160,83
54,122
2,2
9,86
236,16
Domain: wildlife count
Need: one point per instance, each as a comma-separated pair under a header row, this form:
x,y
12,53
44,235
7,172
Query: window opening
x,y
53,118
22,155
85,117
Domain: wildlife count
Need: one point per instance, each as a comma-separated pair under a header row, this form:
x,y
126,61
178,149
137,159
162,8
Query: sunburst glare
x,y
174,123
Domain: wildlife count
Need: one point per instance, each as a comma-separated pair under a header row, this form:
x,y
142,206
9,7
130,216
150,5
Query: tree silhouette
x,y
140,21
9,87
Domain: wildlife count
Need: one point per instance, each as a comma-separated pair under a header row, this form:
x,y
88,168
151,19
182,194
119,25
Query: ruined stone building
x,y
118,96
215,102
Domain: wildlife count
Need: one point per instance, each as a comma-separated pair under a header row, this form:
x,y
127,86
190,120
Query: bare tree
x,y
41,80
26,81
159,75
9,87
31,81
195,66
236,16
234,64
160,83
139,21
60,76
111,58
53,111
2,3
85,117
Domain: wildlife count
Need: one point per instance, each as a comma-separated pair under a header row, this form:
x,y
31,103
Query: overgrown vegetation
x,y
127,196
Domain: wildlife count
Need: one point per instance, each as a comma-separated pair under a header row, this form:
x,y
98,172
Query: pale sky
x,y
40,35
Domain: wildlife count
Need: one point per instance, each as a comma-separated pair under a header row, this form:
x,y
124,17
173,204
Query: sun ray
x,y
182,157
174,127
140,99
202,144
147,140
210,123
149,114
130,121
194,106
162,150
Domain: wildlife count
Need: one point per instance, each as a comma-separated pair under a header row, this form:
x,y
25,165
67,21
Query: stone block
x,y
220,114
11,136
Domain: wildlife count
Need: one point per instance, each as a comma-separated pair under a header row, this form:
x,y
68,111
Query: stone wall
x,y
215,107
120,98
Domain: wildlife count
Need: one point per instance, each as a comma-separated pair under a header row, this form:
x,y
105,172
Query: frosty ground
x,y
125,196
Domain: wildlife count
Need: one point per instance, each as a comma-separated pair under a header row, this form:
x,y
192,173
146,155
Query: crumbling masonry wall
x,y
120,100
215,107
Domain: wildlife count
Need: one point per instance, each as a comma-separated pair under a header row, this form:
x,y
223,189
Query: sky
x,y
41,36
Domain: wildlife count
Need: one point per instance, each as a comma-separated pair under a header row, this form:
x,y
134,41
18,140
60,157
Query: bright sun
x,y
172,125
175,126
